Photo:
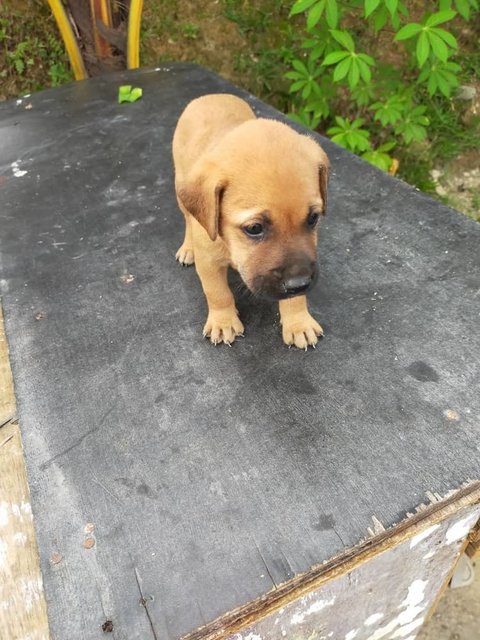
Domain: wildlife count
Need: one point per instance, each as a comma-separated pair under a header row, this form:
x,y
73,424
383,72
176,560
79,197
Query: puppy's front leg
x,y
223,324
298,326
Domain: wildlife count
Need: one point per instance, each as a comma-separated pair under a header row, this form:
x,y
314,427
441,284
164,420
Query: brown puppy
x,y
252,191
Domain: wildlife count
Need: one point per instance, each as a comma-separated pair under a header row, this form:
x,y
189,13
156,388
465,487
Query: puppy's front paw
x,y
223,326
185,255
301,330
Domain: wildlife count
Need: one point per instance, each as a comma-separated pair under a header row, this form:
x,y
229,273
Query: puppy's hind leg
x,y
185,255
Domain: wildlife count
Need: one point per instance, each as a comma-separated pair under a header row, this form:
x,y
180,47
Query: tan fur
x,y
232,170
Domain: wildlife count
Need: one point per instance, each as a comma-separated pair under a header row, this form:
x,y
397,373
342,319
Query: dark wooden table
x,y
184,490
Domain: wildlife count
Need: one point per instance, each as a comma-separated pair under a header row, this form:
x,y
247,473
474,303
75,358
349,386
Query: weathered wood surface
x,y
417,526
23,612
388,597
215,477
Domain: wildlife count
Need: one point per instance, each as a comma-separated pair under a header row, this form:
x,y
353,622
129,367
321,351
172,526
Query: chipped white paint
x,y
375,617
253,636
382,632
3,553
16,511
17,172
422,535
32,590
428,555
407,620
319,605
20,539
416,593
460,529
3,514
315,607
410,613
297,618
26,508
407,629
22,511
351,634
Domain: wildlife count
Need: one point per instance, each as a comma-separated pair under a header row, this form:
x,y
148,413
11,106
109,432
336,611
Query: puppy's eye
x,y
254,231
312,219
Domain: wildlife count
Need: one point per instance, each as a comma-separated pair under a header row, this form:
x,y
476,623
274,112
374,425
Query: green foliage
x,y
30,52
350,134
380,156
271,47
382,92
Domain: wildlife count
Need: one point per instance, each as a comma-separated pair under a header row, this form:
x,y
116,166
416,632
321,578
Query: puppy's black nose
x,y
299,284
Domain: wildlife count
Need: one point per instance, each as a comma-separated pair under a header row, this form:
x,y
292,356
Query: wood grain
x,y
23,611
473,548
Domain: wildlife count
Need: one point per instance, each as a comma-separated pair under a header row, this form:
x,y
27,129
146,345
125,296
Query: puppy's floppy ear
x,y
201,195
320,161
323,176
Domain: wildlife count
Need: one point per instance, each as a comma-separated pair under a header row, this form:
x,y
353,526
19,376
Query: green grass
x,y
270,36
32,55
191,31
449,137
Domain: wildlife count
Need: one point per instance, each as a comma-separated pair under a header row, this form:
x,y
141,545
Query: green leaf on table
x,y
127,93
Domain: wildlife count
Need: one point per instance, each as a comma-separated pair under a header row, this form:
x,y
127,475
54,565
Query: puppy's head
x,y
262,191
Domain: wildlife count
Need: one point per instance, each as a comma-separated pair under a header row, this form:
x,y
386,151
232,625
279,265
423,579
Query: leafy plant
x,y
350,134
340,67
430,37
31,52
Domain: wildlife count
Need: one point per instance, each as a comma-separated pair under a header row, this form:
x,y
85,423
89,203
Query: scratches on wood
x,y
144,603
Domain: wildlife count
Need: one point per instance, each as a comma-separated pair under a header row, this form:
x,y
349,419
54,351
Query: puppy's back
x,y
203,123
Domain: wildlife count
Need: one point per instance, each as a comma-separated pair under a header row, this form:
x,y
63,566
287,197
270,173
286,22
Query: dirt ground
x,y
457,616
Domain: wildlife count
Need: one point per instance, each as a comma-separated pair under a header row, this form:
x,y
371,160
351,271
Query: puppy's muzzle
x,y
293,278
295,286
